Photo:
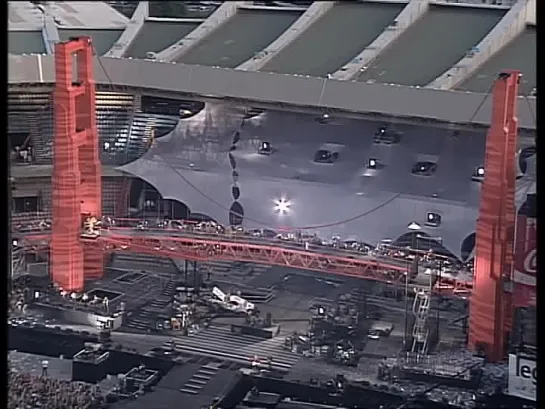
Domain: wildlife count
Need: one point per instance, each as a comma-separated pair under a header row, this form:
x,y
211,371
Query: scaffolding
x,y
420,311
490,306
76,181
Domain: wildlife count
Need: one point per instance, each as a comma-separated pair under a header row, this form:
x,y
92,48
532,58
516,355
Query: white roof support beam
x,y
130,33
308,18
406,18
507,29
219,17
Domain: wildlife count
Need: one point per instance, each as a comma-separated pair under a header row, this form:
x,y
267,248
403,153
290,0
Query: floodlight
x,y
282,206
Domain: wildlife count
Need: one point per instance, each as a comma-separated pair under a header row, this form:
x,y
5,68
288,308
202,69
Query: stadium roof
x,y
25,16
270,90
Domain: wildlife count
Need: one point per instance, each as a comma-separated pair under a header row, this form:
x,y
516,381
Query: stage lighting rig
x,y
282,206
265,148
478,174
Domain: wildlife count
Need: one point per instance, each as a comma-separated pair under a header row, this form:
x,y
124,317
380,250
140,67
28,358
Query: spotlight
x,y
372,164
282,206
265,148
324,118
433,219
478,174
15,243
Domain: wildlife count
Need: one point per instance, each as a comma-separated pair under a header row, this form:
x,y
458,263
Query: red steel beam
x,y
490,306
205,250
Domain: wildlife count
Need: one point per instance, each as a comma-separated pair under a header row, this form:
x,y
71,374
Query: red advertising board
x,y
524,274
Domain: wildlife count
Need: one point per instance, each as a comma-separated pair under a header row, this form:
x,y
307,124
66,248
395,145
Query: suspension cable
x,y
264,224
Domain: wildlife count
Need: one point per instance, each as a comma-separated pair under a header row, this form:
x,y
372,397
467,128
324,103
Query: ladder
x,y
420,311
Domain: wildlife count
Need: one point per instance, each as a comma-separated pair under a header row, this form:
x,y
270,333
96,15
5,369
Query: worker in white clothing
x,y
45,364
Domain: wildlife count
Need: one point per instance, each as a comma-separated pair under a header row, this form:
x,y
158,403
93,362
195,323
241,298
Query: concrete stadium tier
x,y
35,29
155,36
126,126
240,37
432,45
26,42
192,165
25,15
103,39
519,54
334,39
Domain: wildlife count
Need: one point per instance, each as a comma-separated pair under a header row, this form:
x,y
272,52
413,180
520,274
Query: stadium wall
x,y
316,10
509,27
219,17
412,12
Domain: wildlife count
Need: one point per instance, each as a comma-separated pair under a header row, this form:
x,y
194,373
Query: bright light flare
x,y
282,206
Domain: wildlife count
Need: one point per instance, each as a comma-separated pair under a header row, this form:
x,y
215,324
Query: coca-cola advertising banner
x,y
524,274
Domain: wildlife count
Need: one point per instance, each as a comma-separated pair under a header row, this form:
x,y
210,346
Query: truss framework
x,y
190,248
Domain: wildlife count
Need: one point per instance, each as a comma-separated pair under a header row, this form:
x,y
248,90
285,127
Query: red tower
x,y
76,180
490,306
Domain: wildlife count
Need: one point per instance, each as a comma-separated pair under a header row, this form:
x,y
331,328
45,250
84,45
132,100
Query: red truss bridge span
x,y
206,247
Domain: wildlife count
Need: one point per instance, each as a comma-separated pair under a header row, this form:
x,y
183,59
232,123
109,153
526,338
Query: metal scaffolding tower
x,y
490,306
76,181
420,311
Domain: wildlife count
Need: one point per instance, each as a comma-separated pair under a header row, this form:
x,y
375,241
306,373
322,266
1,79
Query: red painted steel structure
x,y
207,249
490,306
76,181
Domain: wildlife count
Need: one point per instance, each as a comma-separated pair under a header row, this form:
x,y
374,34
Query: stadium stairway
x,y
219,342
42,149
145,317
199,379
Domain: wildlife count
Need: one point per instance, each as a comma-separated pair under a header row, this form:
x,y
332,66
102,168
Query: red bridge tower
x,y
76,181
490,305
